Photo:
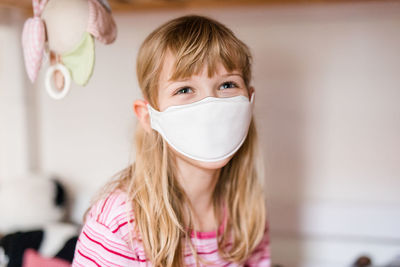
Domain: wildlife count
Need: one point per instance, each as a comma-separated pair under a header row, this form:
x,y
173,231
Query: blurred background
x,y
327,77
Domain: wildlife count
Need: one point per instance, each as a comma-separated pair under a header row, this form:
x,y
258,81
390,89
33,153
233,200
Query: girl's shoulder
x,y
107,238
114,212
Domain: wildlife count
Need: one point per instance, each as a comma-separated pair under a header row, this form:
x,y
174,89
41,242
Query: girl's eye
x,y
184,90
229,84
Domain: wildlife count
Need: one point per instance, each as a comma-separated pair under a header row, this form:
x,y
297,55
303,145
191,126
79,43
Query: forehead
x,y
169,64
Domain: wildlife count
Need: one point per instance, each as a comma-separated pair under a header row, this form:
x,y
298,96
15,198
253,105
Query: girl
x,y
194,195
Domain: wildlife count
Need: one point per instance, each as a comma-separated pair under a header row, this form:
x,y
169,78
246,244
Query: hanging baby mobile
x,y
64,31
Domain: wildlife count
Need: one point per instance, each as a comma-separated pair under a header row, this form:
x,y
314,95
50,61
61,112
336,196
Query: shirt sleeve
x,y
100,243
261,254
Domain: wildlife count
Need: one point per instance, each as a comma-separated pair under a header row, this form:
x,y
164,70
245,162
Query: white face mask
x,y
208,130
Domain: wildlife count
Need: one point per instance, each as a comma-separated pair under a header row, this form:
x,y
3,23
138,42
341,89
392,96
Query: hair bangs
x,y
200,45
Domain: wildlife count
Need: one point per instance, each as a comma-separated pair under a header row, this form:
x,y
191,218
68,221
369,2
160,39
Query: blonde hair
x,y
150,182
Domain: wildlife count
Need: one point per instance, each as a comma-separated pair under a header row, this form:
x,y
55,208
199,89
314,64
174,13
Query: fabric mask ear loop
x,y
252,97
252,100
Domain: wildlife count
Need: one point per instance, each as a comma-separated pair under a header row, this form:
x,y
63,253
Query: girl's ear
x,y
251,91
142,114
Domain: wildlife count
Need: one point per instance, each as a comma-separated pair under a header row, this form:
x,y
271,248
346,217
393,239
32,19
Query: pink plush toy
x,y
69,28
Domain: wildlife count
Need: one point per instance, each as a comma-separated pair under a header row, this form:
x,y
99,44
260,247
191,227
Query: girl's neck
x,y
199,184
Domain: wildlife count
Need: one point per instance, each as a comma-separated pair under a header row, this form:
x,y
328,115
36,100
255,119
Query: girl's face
x,y
195,88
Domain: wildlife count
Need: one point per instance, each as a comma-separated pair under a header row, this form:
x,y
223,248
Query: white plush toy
x,y
33,208
30,202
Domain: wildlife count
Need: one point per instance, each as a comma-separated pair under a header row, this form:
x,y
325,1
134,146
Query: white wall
x,y
14,144
328,84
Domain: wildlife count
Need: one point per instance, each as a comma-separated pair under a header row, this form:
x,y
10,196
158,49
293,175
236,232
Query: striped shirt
x,y
105,240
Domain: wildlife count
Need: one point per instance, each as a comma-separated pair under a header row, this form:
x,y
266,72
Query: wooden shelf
x,y
134,5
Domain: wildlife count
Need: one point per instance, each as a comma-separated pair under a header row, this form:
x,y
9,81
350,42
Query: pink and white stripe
x,y
104,240
33,40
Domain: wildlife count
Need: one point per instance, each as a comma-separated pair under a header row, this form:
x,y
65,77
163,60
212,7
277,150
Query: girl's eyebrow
x,y
170,82
179,80
189,78
233,74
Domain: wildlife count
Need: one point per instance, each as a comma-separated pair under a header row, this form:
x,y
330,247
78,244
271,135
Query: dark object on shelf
x,y
16,243
363,261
